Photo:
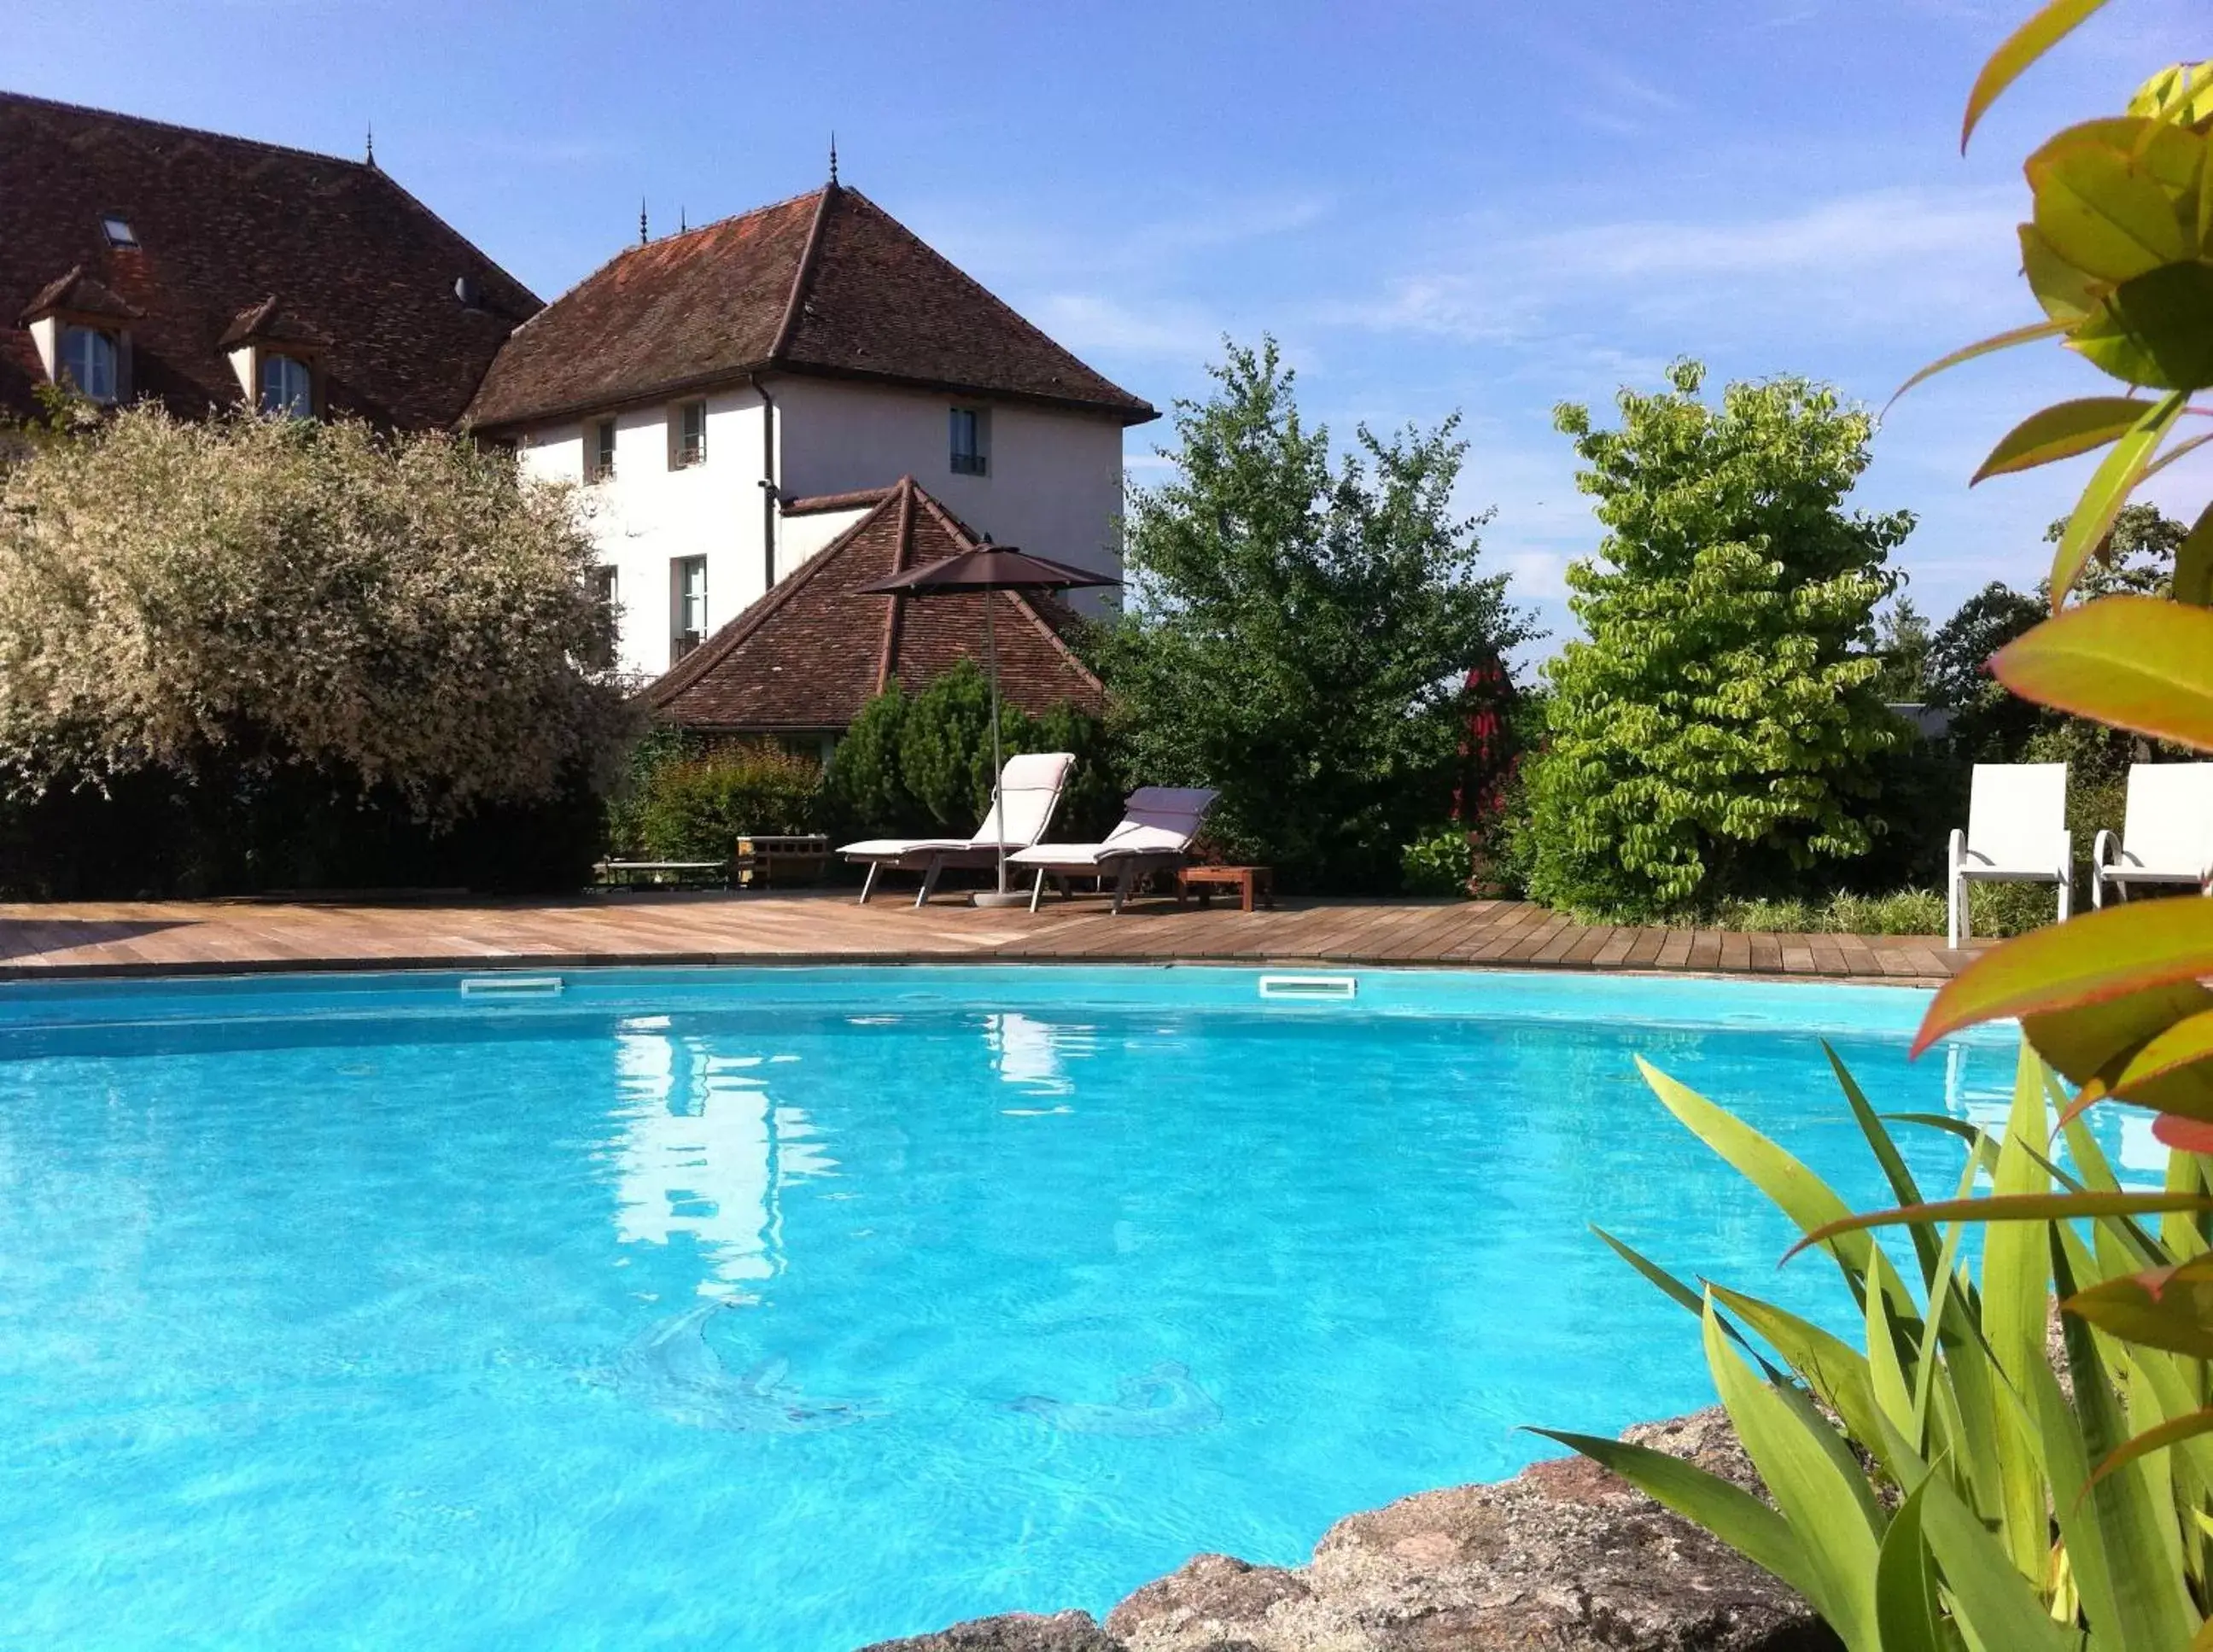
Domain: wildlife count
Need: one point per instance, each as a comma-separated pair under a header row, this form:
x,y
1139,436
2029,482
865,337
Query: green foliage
x,y
252,654
1902,639
1438,862
1298,629
1966,1504
920,765
697,806
1719,731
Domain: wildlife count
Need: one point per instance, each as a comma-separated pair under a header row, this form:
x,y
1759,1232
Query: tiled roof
x,y
813,651
827,283
222,224
80,294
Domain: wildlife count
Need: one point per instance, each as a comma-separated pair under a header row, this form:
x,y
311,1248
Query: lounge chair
x,y
1028,792
1158,823
2167,836
2017,833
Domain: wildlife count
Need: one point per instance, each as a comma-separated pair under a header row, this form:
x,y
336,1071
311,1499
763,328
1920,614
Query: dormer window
x,y
287,386
118,231
88,361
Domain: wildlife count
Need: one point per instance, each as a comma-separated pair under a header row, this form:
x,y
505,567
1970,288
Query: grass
x,y
1996,909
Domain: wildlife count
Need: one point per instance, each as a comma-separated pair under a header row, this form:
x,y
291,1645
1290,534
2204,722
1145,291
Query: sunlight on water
x,y
790,1310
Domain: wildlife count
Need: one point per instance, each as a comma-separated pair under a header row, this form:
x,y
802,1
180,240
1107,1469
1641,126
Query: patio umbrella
x,y
988,569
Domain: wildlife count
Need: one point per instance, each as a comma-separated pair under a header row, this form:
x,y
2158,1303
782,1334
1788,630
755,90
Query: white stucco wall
x,y
647,516
1054,486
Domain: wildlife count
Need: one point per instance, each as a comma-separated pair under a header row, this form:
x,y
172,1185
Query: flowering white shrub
x,y
262,592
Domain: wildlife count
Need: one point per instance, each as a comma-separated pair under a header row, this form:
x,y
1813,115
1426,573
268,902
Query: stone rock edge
x,y
1564,1557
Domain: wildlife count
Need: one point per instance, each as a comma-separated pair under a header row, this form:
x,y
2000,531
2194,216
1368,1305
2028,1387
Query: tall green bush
x,y
697,808
1717,730
920,765
1299,627
249,653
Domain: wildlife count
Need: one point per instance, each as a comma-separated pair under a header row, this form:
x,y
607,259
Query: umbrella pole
x,y
998,772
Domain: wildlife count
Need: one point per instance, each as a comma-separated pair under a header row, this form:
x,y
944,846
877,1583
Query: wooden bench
x,y
1251,883
626,875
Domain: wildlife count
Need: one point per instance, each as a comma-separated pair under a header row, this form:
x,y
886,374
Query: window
x,y
89,362
690,447
286,387
690,590
968,443
607,587
118,231
599,457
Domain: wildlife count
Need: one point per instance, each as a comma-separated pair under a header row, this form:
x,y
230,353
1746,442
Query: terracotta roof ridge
x,y
811,503
904,490
951,523
794,304
720,646
68,108
1052,635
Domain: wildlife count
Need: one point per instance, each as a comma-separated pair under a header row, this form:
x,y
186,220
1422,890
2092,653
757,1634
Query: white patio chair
x,y
1158,825
2167,836
2017,833
1027,794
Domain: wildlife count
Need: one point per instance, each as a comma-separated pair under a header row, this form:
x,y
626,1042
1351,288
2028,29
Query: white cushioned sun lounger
x,y
1158,825
1028,792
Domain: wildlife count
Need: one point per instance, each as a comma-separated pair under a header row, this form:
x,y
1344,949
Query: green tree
x,y
1719,726
1299,628
1902,639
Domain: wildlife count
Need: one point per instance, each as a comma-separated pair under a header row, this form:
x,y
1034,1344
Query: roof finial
x,y
641,220
683,223
372,143
833,156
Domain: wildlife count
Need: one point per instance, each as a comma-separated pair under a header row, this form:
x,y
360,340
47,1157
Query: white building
x,y
714,391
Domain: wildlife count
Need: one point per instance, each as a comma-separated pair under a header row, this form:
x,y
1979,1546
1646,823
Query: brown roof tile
x,y
827,283
813,651
222,223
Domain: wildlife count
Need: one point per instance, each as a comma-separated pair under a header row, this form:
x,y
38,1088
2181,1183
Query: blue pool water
x,y
362,1312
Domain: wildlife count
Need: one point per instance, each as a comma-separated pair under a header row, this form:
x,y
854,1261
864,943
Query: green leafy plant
x,y
1299,630
1717,730
2029,1513
920,765
1438,862
1940,1486
697,808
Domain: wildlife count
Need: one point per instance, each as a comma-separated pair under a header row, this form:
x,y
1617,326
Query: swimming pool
x,y
789,1310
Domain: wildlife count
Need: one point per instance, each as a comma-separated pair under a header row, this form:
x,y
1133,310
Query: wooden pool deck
x,y
111,938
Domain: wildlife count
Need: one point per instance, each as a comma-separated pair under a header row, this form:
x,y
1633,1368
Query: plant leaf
x,y
1902,1188
1996,341
2162,1308
1802,1196
2132,662
2160,1437
2193,562
1731,1513
2183,1135
1908,1615
2032,1207
2088,959
2051,24
2061,431
2100,208
1676,1291
2132,1592
1826,1505
2108,490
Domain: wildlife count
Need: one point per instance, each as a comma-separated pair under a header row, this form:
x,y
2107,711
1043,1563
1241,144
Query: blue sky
x,y
1483,207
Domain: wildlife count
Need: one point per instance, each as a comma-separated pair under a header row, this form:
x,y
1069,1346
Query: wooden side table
x,y
1251,882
